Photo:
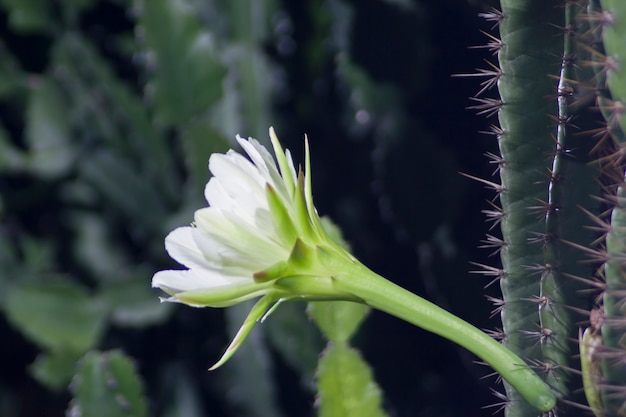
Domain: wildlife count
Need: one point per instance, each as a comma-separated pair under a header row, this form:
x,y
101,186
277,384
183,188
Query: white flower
x,y
259,236
260,226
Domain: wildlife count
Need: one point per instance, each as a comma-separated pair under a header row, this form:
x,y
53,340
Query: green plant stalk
x,y
531,42
383,295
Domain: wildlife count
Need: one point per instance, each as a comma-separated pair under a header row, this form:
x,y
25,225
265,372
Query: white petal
x,y
181,246
262,159
239,179
176,281
223,258
242,202
257,248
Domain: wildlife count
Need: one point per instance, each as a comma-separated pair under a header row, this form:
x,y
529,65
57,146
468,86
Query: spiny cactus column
x,y
613,386
545,180
526,57
573,180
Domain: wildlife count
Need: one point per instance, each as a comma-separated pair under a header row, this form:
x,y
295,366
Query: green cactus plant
x,y
544,275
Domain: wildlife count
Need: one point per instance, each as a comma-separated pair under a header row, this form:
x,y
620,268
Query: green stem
x,y
386,296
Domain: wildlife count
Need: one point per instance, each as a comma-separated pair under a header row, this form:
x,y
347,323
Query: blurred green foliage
x,y
108,112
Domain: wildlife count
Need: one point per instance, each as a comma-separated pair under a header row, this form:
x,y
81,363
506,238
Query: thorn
x,y
543,238
565,121
494,216
493,45
498,188
542,336
486,106
495,159
541,300
569,30
596,283
492,242
497,334
493,15
594,255
543,269
499,304
494,130
544,209
489,271
491,374
603,18
500,405
493,75
546,369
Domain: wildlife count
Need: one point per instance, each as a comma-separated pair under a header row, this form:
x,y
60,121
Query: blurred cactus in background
x,y
109,111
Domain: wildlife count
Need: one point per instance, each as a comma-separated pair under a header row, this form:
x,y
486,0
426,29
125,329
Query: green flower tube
x,y
261,237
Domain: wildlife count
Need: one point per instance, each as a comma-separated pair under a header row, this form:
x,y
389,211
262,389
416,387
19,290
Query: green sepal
x,y
311,288
258,311
303,257
281,216
302,261
285,170
224,296
303,217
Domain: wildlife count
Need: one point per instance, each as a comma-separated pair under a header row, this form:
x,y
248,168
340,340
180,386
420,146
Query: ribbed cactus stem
x,y
531,42
572,181
613,388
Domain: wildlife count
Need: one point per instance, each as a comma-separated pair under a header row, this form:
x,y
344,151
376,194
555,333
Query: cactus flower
x,y
261,237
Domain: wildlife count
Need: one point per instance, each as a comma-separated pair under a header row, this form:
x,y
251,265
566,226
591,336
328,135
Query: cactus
x,y
544,275
613,382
